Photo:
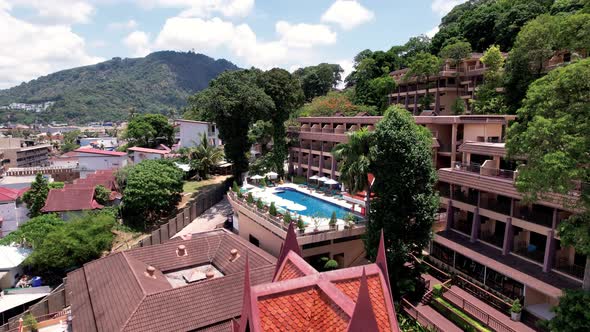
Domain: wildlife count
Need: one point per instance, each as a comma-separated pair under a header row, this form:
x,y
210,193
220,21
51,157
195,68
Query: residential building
x,y
70,202
12,212
17,153
11,264
190,133
68,159
485,232
102,143
91,160
191,283
139,154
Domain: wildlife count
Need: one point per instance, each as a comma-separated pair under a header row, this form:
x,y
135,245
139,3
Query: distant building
x,y
17,153
68,159
190,133
102,143
69,202
91,160
12,213
138,154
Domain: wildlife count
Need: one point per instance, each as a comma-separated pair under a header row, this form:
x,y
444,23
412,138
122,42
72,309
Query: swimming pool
x,y
314,206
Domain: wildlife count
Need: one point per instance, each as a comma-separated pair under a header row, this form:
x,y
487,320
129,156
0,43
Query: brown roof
x,y
70,199
115,293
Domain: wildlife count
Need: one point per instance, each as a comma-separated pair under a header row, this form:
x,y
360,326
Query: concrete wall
x,y
11,278
472,131
141,156
191,132
94,162
12,217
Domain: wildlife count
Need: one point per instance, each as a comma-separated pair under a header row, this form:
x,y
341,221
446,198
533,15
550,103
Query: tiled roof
x,y
70,199
114,293
103,152
9,194
303,299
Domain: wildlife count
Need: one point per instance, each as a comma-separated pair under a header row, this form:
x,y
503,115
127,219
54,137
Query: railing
x,y
571,269
438,273
479,169
421,319
533,215
482,294
476,312
496,206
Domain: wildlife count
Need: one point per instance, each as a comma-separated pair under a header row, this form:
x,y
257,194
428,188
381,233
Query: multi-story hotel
x,y
488,233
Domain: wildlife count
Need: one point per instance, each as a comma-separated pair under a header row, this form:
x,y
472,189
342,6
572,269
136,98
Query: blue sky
x,y
46,36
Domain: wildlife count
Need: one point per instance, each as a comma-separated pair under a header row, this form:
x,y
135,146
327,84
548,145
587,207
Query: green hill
x,y
105,91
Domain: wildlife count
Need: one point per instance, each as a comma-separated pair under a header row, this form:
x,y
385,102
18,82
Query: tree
x,y
102,195
34,231
72,244
233,100
572,315
285,91
152,190
355,162
70,141
552,133
455,51
149,130
332,103
318,80
205,156
405,201
36,196
424,66
489,100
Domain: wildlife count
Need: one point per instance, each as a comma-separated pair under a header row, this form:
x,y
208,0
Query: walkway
x,y
435,317
516,326
213,218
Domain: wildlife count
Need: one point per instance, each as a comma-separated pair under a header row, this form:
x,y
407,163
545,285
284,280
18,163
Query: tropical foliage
x,y
204,157
318,80
149,130
36,196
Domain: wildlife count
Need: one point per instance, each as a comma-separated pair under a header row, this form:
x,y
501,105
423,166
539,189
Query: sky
x,y
40,37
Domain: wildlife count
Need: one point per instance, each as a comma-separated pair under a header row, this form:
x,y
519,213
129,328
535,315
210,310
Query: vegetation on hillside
x,y
105,91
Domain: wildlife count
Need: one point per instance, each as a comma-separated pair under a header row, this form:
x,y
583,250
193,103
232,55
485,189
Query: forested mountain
x,y
106,91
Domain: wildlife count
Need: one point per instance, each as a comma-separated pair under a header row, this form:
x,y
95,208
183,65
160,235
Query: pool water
x,y
314,206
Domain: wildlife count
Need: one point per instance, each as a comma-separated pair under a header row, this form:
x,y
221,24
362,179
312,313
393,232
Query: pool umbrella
x,y
272,175
323,179
257,177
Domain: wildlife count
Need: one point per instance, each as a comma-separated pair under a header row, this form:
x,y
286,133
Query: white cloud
x,y
204,8
126,25
442,7
430,33
32,50
138,42
59,11
348,14
304,35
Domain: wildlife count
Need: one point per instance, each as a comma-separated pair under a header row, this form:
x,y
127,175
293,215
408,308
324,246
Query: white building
x,y
192,131
11,264
92,160
12,214
138,154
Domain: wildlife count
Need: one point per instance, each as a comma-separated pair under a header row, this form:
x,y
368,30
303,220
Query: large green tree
x,y
233,101
70,245
317,80
572,314
423,66
285,91
204,157
34,231
405,201
454,52
552,133
36,196
489,100
152,191
149,130
355,161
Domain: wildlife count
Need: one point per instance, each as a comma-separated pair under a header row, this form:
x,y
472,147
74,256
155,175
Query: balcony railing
x,y
487,171
572,269
534,215
502,207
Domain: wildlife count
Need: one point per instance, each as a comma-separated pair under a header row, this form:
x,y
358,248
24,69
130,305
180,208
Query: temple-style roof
x,y
302,299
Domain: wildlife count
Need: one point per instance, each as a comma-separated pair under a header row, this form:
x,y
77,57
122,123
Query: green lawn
x,y
194,186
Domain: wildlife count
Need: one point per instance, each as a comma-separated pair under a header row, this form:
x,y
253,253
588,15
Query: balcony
x,y
537,214
488,171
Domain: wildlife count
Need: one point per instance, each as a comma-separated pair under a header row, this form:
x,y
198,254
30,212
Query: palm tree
x,y
355,158
205,156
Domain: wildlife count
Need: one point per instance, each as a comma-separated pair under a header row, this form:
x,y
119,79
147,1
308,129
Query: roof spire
x,y
290,244
381,260
363,317
247,303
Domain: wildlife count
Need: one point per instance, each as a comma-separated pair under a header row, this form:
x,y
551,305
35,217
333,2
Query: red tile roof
x,y
302,299
10,195
103,152
70,199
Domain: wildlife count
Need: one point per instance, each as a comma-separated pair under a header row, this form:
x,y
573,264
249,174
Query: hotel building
x,y
485,230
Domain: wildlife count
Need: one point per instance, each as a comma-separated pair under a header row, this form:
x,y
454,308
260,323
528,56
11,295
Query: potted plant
x,y
287,218
316,223
300,225
235,187
350,220
240,195
263,182
30,323
272,209
250,198
333,220
516,310
260,205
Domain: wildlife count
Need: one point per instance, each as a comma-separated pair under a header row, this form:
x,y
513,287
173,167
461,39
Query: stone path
x,y
213,218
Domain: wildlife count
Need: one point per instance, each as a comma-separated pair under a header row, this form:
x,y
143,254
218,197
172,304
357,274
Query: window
x,y
254,241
